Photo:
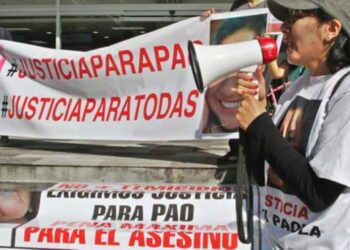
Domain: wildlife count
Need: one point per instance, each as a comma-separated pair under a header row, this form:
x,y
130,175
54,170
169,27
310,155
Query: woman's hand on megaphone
x,y
251,107
247,83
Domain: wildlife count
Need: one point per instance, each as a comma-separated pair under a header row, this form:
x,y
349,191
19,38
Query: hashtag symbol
x,y
12,70
4,106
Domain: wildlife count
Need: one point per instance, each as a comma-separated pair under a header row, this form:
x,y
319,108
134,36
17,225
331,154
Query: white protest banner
x,y
139,89
6,233
133,216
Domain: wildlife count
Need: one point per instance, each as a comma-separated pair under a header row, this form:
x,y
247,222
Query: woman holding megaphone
x,y
300,158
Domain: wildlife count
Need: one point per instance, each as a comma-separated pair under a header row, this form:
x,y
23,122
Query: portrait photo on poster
x,y
220,106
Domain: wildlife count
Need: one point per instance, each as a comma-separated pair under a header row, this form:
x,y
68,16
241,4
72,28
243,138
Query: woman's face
x,y
304,36
220,98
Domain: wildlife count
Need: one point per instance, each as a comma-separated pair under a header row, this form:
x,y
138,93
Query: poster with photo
x,y
221,105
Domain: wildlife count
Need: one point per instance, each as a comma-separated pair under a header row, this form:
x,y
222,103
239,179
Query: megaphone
x,y
210,62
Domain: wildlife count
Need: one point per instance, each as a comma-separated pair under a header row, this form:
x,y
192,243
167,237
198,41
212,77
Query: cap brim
x,y
279,8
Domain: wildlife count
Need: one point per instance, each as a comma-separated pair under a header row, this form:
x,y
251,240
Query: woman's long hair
x,y
339,54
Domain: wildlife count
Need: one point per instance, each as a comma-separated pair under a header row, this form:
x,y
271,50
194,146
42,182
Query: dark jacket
x,y
5,34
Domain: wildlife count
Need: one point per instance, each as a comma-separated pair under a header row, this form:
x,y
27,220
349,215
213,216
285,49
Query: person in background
x,y
248,4
300,158
5,35
282,74
239,5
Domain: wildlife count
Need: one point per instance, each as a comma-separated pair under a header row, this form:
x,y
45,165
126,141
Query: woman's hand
x,y
13,204
251,106
208,13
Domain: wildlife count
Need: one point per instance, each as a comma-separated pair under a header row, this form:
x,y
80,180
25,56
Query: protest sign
x,y
130,216
138,89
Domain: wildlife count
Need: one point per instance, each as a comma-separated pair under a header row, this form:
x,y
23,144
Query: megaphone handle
x,y
243,192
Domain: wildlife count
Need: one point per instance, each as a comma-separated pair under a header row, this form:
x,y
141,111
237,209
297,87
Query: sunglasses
x,y
295,15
